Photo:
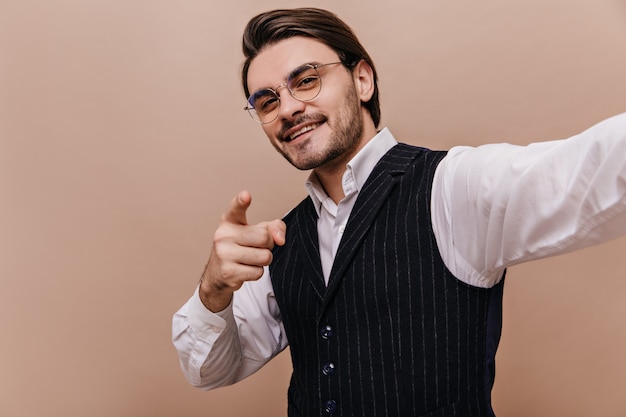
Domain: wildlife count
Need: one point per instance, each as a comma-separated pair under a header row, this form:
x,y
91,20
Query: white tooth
x,y
303,130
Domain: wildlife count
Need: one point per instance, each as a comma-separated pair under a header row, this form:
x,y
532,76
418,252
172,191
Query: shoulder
x,y
413,152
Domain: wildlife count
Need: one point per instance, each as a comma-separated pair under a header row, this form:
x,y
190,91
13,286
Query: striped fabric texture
x,y
394,333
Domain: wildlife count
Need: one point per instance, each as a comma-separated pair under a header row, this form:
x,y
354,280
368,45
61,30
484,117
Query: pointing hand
x,y
239,253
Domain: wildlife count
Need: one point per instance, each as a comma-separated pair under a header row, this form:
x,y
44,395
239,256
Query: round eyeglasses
x,y
304,84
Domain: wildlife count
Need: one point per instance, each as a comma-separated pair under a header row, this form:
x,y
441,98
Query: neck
x,y
331,174
331,180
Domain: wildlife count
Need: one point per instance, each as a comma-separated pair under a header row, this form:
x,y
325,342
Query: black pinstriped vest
x,y
394,333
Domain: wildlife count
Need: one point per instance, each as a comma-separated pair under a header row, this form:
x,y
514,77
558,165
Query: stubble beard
x,y
346,130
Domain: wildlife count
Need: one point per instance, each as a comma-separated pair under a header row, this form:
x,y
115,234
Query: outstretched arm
x,y
498,205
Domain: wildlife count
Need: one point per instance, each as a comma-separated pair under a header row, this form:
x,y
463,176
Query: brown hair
x,y
268,28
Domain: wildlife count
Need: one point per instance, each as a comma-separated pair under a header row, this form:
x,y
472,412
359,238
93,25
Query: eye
x,y
264,101
304,78
305,81
268,102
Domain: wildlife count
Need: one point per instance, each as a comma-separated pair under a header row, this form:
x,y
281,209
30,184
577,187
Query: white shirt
x,y
493,206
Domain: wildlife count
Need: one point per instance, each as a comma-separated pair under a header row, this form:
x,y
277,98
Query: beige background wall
x,y
122,139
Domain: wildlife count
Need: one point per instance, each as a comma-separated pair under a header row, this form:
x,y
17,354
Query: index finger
x,y
236,212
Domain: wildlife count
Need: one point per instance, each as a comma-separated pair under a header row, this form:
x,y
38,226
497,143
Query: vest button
x,y
328,368
330,406
327,332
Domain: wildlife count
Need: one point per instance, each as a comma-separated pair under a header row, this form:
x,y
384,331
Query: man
x,y
387,280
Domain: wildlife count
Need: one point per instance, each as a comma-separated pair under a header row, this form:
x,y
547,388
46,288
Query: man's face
x,y
321,133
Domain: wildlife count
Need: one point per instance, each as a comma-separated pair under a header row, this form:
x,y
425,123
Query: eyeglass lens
x,y
304,84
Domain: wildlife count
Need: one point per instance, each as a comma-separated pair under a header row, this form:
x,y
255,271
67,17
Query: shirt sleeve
x,y
495,206
218,349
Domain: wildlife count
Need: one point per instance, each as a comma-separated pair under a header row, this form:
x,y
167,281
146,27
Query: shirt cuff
x,y
204,322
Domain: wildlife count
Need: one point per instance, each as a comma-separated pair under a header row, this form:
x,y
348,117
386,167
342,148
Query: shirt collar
x,y
357,170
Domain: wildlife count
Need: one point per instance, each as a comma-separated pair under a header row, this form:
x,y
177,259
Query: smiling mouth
x,y
293,133
302,131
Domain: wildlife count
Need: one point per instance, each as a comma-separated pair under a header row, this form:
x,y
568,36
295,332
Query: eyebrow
x,y
293,72
301,67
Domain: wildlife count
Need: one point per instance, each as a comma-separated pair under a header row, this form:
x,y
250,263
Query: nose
x,y
289,105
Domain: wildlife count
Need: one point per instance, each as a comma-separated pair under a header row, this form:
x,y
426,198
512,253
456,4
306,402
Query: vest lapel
x,y
372,196
306,224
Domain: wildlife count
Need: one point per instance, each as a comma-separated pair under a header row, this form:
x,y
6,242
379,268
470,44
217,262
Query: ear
x,y
364,80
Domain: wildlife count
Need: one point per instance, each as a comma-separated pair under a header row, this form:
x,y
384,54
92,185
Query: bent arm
x,y
219,349
495,206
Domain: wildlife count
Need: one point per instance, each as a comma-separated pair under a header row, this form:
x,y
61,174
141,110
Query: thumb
x,y
236,212
277,229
